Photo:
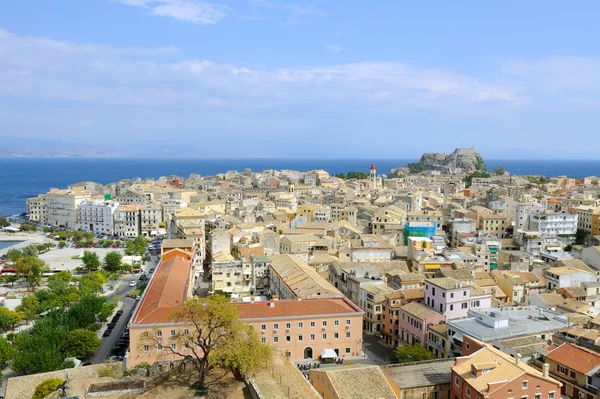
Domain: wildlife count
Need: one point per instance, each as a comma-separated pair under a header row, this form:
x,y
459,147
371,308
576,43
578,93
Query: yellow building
x,y
494,225
437,340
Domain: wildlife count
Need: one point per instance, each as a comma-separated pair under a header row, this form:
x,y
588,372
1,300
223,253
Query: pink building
x,y
302,328
453,298
414,319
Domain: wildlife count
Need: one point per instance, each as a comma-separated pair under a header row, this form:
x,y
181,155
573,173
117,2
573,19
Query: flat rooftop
x,y
501,323
420,374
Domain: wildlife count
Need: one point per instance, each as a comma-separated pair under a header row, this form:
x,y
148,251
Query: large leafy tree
x,y
410,353
91,283
80,343
7,350
13,255
29,307
215,338
31,268
91,261
112,261
8,318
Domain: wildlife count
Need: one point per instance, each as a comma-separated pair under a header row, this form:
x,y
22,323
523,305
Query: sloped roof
x,y
294,307
359,382
575,357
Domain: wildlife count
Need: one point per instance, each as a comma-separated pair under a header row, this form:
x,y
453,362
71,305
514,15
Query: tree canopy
x,y
31,268
498,171
91,261
80,343
353,175
410,353
112,261
216,337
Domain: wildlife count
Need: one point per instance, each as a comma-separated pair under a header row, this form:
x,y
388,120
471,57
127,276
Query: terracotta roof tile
x,y
575,357
289,308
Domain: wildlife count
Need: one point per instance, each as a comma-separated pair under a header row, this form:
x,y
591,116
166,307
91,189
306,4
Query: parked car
x,y
120,312
107,333
151,270
133,284
111,325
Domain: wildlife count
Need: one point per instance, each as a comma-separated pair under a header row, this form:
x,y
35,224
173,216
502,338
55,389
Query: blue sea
x,y
21,178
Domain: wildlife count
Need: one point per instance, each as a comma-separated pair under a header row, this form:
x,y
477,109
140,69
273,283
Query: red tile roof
x,y
575,357
167,289
305,307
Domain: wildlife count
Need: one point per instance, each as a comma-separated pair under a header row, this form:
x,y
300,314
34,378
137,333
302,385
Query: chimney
x,y
271,303
518,358
546,370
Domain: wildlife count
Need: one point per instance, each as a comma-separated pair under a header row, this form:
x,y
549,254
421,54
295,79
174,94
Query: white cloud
x,y
334,48
195,11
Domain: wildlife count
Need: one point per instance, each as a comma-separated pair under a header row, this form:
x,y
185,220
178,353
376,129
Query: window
x,y
275,340
538,396
562,369
288,338
276,326
263,327
186,331
468,345
158,347
550,395
324,323
312,324
324,336
456,381
159,333
468,392
464,293
347,334
572,374
451,307
173,346
173,333
348,322
300,338
452,295
146,348
525,384
288,325
464,305
312,337
263,340
336,323
336,335
186,345
347,350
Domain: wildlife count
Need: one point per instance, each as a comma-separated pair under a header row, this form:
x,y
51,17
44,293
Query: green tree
x,y
12,279
47,387
581,237
112,261
416,167
215,327
91,283
29,307
4,222
61,293
8,318
91,261
30,250
498,171
62,275
61,244
410,353
80,343
13,255
31,269
7,350
27,227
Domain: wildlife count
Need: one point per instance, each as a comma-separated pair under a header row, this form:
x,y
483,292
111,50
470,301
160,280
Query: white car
x,y
133,284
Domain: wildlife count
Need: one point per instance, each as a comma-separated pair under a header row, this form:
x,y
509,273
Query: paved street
x,y
376,352
128,305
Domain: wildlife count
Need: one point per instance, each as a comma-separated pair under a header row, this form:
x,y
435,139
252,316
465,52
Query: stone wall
x,y
23,387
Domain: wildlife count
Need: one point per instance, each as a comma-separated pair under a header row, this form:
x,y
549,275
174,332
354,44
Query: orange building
x,y
491,374
302,328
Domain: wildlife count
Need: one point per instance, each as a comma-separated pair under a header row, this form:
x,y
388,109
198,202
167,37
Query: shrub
x,y
94,327
106,372
46,387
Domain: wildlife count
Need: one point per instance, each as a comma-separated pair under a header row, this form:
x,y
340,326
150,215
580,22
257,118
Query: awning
x,y
328,354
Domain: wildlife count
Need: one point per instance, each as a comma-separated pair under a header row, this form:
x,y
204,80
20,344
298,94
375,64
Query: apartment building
x,y
61,207
414,319
302,328
292,278
188,223
553,224
489,373
97,216
577,368
228,276
437,340
434,217
150,218
494,225
564,276
371,300
453,298
37,208
127,221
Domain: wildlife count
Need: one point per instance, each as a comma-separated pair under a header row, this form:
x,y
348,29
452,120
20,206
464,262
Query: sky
x,y
299,79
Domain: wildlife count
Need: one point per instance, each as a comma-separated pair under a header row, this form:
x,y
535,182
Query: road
x,y
128,307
